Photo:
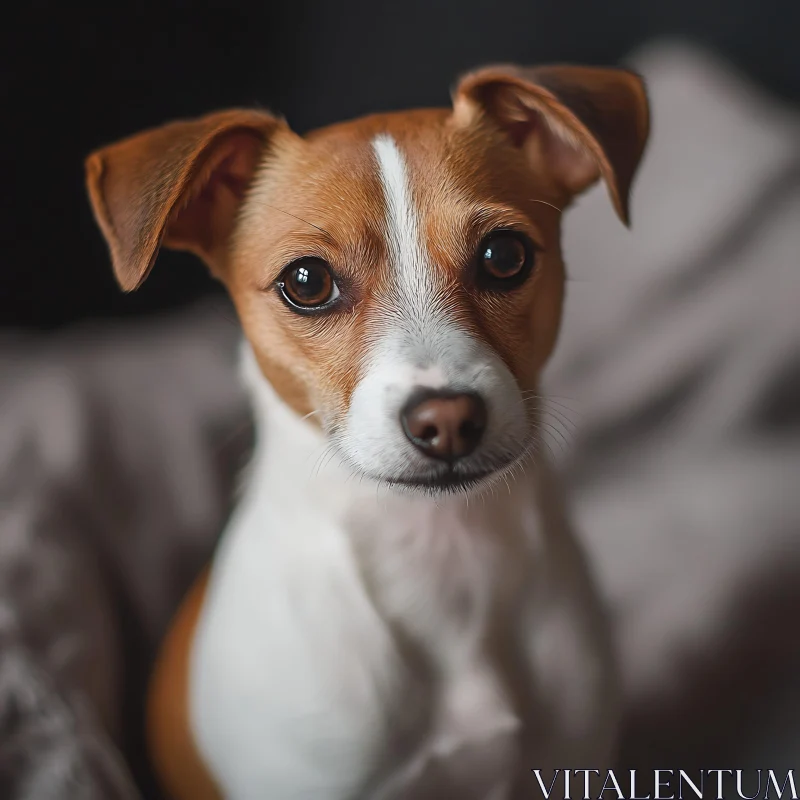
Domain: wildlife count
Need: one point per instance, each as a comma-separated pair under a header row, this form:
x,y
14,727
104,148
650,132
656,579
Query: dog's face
x,y
399,277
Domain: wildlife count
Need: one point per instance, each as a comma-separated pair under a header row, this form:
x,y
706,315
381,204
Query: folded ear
x,y
575,123
180,185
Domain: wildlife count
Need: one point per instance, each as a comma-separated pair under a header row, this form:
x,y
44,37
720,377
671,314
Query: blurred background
x,y
675,411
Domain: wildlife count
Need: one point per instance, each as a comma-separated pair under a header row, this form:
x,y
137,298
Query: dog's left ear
x,y
576,124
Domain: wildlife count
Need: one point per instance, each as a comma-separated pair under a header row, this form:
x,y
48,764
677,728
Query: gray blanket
x,y
674,412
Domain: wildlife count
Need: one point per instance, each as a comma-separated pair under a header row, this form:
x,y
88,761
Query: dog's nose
x,y
444,425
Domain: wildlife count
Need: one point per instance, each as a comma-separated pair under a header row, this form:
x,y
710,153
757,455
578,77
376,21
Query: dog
x,y
398,609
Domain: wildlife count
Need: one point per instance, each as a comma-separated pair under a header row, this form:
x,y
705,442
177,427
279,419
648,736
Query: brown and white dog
x,y
398,608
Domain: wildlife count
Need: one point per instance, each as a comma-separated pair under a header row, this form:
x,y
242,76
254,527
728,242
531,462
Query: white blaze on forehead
x,y
419,344
402,220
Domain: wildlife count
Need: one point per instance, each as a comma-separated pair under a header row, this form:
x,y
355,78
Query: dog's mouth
x,y
447,480
455,479
450,481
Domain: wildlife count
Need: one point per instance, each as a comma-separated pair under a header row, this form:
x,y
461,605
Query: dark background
x,y
75,78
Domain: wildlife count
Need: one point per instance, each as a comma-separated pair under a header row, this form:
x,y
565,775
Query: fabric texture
x,y
679,365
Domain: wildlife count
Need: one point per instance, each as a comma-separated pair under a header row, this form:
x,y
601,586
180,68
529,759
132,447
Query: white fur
x,y
420,346
359,643
402,220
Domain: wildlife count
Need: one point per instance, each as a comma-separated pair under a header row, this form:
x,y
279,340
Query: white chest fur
x,y
357,643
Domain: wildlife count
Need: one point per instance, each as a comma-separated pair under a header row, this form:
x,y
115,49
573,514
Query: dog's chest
x,y
441,577
362,654
443,583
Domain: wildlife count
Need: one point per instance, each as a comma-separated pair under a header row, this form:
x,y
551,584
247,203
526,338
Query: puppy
x,y
398,608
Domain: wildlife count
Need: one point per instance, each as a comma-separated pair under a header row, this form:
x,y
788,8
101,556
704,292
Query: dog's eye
x,y
308,284
505,259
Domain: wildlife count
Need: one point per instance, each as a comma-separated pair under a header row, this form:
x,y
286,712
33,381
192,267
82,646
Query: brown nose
x,y
444,425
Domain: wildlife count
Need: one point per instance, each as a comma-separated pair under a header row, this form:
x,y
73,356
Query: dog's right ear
x,y
180,185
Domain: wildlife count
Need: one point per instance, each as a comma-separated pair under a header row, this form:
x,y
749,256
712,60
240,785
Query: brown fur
x,y
515,149
171,745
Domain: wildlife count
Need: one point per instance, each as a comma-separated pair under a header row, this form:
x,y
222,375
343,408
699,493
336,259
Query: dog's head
x,y
399,276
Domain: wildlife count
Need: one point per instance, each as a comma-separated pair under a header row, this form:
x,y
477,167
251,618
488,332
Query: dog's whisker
x,y
568,427
315,454
561,415
563,411
549,400
328,452
218,310
564,442
545,203
554,411
299,219
548,395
